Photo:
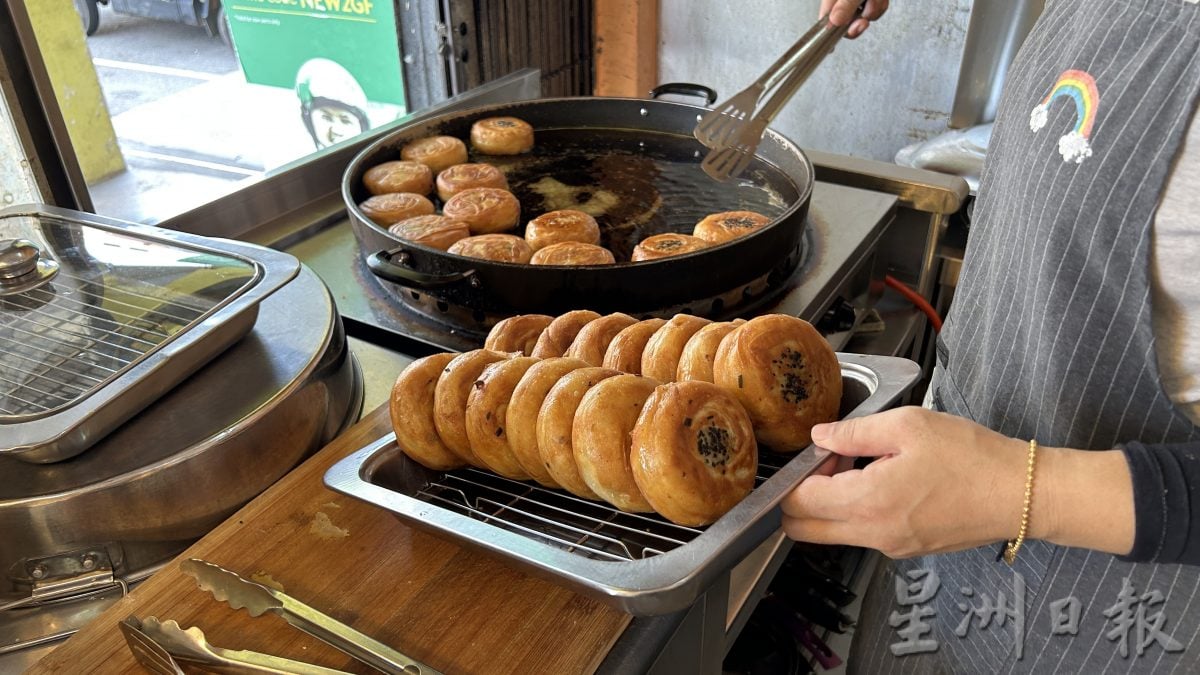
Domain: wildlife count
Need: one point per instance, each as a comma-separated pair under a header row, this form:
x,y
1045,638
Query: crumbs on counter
x,y
324,528
261,577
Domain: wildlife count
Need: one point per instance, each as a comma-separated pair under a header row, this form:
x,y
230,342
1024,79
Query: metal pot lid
x,y
131,311
294,328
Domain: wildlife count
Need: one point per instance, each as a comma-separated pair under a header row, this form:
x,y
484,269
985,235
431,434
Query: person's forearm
x,y
1083,499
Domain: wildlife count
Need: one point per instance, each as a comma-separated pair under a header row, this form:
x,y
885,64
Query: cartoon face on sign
x,y
332,104
1079,87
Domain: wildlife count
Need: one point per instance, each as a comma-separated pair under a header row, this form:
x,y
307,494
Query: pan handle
x,y
685,89
382,265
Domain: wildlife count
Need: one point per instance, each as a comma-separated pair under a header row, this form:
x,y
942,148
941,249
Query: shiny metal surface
x,y
132,311
258,599
994,35
18,257
191,646
925,191
22,267
149,653
382,475
186,462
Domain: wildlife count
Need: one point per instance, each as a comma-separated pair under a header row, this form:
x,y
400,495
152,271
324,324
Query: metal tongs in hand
x,y
733,130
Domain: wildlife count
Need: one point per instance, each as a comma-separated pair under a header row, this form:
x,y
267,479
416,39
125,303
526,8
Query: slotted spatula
x,y
732,130
721,124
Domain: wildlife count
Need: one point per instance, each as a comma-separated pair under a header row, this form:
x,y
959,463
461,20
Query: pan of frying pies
x,y
631,166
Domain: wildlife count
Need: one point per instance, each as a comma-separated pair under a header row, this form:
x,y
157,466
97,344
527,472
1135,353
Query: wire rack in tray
x,y
592,529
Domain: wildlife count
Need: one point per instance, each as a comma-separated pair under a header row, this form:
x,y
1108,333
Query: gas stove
x,y
840,269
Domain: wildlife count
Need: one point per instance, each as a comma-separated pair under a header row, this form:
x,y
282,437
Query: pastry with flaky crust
x,y
722,227
502,136
487,411
436,152
485,210
398,176
593,339
558,336
693,453
461,177
555,424
411,408
624,353
696,361
572,253
556,227
517,333
393,207
600,438
498,247
666,245
450,399
660,359
523,408
433,231
785,374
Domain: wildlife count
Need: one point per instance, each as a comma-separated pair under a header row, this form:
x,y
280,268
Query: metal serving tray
x,y
639,563
125,313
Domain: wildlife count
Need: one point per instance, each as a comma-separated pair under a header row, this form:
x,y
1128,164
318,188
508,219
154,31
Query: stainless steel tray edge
x,y
657,585
149,378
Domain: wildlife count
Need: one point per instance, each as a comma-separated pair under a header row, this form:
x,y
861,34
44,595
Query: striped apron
x,y
1050,337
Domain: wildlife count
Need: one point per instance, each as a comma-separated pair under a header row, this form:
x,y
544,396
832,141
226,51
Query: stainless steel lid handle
x,y
22,266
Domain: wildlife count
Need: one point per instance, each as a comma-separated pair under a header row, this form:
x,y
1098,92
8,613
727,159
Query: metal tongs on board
x,y
733,129
159,644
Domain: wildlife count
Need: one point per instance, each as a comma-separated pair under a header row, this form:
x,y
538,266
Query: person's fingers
x,y
833,465
842,11
870,436
818,531
828,497
829,466
874,9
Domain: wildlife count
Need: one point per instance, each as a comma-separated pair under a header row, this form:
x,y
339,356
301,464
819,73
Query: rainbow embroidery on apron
x,y
1080,87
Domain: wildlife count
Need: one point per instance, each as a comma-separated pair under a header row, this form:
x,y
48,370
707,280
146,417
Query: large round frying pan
x,y
635,166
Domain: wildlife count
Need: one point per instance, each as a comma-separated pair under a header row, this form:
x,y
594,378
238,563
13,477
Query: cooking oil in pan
x,y
634,183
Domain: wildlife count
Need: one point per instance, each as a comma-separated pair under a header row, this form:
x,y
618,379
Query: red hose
x,y
916,299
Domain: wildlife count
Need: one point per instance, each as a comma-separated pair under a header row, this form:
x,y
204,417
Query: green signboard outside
x,y
342,57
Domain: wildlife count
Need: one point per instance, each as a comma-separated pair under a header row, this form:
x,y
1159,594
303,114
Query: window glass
x,y
205,97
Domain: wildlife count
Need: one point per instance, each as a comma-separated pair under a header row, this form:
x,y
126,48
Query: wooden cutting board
x,y
456,610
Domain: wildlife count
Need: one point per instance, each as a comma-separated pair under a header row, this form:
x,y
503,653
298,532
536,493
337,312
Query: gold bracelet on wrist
x,y
1011,547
